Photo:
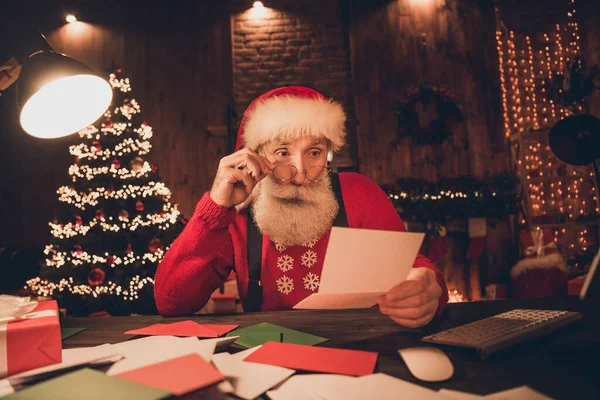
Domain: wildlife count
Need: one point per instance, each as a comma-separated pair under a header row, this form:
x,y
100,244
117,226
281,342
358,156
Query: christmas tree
x,y
114,221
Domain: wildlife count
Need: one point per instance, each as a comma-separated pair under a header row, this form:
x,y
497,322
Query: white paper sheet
x,y
376,387
518,393
225,387
154,349
5,388
223,343
240,355
360,264
249,380
305,387
456,395
338,301
71,358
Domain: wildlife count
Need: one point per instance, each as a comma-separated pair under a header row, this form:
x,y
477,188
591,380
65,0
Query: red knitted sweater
x,y
215,241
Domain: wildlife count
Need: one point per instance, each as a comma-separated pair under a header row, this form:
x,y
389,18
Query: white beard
x,y
294,215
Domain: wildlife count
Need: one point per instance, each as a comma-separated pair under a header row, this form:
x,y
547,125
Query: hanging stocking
x,y
438,246
477,232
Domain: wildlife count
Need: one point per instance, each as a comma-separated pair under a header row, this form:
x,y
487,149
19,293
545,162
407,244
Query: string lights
x,y
89,173
58,259
46,288
162,221
78,199
556,194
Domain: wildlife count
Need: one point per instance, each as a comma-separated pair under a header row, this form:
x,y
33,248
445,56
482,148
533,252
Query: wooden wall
x,y
179,63
395,44
589,14
290,42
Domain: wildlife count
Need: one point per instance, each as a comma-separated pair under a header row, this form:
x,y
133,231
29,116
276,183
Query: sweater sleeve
x,y
197,263
368,207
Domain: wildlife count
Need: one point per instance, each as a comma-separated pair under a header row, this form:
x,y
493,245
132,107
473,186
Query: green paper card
x,y
258,334
66,333
88,384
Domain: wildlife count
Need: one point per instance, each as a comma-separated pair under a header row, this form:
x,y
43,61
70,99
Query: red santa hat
x,y
292,112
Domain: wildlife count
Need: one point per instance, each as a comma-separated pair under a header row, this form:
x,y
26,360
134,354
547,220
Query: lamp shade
x,y
575,140
58,95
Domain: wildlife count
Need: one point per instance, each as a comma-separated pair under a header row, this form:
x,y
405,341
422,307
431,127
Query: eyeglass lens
x,y
288,172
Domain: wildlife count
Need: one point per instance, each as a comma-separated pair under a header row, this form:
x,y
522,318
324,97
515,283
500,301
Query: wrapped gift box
x,y
31,341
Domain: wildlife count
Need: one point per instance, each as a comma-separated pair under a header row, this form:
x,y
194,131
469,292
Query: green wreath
x,y
428,114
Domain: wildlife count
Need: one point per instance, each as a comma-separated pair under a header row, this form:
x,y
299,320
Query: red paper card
x,y
184,328
317,359
178,376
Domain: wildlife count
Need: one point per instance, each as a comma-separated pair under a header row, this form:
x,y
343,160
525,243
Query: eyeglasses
x,y
285,173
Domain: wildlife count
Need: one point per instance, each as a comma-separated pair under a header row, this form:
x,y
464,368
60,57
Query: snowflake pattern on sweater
x,y
292,273
309,258
285,263
311,282
285,285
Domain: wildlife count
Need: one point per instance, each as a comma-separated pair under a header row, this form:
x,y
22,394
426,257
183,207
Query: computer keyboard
x,y
494,333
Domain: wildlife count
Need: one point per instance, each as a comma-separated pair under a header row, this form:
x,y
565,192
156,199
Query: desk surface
x,y
563,365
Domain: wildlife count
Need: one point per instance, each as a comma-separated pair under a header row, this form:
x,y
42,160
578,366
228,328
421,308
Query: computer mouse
x,y
428,364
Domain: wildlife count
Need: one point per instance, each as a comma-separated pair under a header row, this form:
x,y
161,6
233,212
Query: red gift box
x,y
538,242
31,342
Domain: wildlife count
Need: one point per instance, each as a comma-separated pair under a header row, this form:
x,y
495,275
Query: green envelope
x,y
66,333
258,334
88,384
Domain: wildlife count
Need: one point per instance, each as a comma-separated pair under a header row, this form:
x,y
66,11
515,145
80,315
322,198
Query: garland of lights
x,y
129,145
459,198
46,288
80,200
78,172
162,221
58,259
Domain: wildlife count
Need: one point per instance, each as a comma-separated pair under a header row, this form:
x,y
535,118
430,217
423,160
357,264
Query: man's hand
x,y
413,302
237,175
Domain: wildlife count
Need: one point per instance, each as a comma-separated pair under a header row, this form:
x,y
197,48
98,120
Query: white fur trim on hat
x,y
554,260
289,116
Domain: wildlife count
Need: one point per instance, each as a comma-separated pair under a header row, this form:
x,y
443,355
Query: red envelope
x,y
32,342
178,376
184,328
317,359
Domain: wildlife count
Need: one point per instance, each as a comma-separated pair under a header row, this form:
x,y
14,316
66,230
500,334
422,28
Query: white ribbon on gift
x,y
539,248
3,350
21,311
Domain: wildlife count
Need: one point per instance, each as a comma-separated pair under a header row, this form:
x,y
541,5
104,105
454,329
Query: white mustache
x,y
291,191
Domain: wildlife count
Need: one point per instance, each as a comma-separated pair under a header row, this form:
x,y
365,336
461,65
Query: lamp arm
x,y
9,72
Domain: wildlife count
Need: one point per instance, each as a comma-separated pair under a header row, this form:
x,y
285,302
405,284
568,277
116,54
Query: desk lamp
x,y
56,95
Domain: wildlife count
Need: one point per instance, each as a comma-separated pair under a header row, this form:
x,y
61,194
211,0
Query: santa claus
x,y
269,214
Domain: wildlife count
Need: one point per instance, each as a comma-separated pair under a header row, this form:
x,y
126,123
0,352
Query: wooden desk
x,y
563,365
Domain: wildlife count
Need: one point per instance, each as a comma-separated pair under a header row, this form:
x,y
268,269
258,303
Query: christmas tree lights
x,y
115,221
